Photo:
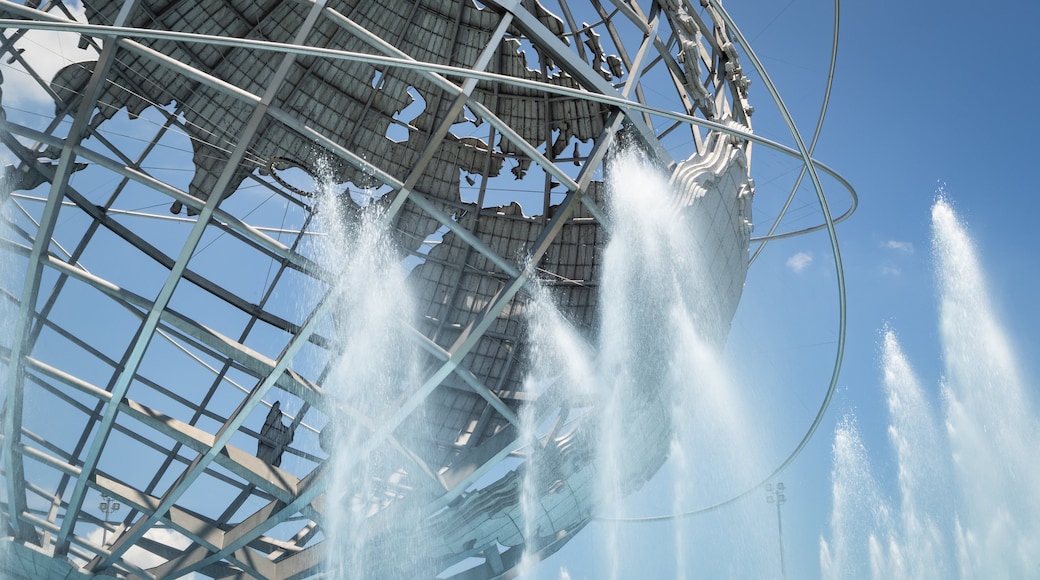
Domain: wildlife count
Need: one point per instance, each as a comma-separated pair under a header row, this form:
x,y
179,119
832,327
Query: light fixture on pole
x,y
108,506
777,496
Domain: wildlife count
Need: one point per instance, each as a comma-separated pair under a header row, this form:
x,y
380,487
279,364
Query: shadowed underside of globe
x,y
170,314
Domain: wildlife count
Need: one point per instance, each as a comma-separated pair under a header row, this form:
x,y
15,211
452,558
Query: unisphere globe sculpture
x,y
169,321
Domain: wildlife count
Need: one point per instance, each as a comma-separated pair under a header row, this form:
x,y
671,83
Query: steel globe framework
x,y
160,212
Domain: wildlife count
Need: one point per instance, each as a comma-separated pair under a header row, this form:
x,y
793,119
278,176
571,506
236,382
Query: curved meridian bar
x,y
580,203
115,32
832,235
446,70
829,225
771,235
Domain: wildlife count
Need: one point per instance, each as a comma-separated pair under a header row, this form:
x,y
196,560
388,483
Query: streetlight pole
x,y
777,496
108,506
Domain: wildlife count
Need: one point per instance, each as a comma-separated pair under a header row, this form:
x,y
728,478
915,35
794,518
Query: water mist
x,y
659,350
991,424
375,363
967,481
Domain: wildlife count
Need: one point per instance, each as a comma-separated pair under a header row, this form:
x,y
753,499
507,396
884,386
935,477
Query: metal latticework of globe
x,y
168,322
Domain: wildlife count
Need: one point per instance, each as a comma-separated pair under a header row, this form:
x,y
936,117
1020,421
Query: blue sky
x,y
929,96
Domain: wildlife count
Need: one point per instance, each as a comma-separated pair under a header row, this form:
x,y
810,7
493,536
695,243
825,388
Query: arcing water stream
x,y
968,477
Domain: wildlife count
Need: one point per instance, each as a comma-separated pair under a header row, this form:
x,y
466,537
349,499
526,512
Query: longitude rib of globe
x,y
322,160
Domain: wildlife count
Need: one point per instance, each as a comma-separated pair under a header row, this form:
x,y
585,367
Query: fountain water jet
x,y
376,362
991,423
660,327
645,285
858,508
560,358
968,504
652,369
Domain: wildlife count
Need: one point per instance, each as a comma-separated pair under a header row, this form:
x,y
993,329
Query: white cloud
x,y
142,558
799,261
47,52
903,247
889,270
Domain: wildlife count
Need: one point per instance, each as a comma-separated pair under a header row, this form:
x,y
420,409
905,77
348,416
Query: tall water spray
x,y
859,510
641,291
968,504
991,423
916,548
658,354
871,536
376,362
558,358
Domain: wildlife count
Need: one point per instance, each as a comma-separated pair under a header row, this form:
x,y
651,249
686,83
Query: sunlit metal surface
x,y
166,307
